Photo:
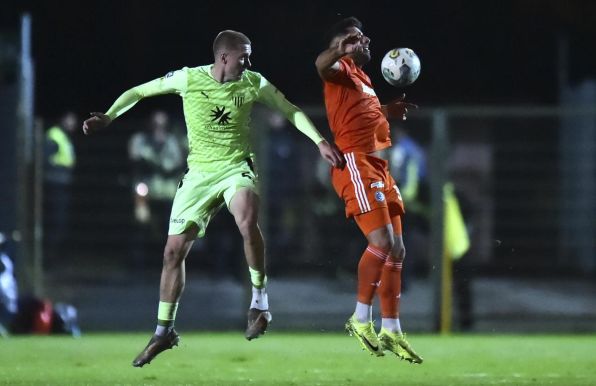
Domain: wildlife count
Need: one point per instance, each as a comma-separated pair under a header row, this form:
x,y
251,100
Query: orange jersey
x,y
354,111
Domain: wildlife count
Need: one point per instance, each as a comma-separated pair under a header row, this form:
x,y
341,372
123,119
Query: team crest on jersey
x,y
220,115
379,196
169,74
238,100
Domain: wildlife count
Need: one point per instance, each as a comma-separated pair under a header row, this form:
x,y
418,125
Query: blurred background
x,y
497,166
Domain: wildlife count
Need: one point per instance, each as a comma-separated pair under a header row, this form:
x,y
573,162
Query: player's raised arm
x,y
273,98
173,82
326,62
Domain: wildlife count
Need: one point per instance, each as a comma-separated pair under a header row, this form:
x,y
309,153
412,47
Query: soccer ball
x,y
400,67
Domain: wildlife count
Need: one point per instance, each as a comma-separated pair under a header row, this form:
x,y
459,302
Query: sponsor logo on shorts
x,y
377,184
379,196
177,221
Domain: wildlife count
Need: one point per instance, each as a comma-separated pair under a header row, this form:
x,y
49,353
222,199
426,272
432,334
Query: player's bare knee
x,y
248,228
382,243
382,239
398,253
172,256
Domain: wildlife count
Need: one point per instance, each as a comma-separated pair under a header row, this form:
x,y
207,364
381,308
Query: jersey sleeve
x,y
269,95
342,75
174,82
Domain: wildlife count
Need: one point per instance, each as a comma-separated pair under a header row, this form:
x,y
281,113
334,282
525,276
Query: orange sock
x,y
390,289
369,273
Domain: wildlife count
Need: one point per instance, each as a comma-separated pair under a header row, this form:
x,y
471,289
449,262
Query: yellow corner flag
x,y
456,241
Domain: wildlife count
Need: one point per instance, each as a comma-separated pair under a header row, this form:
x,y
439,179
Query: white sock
x,y
391,325
363,312
260,301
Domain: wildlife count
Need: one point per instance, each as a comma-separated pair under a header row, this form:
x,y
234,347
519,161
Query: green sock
x,y
258,278
166,314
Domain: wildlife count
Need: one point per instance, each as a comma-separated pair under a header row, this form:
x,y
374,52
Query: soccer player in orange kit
x,y
361,130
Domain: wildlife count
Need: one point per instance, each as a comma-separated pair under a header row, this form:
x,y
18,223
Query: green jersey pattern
x,y
218,117
217,114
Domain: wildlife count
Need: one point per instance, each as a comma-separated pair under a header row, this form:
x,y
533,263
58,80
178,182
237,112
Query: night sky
x,y
472,52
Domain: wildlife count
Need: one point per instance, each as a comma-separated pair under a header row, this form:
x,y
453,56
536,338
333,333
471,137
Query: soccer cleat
x,y
258,321
396,343
156,345
366,335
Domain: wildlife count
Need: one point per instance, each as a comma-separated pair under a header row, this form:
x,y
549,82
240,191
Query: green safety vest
x,y
65,155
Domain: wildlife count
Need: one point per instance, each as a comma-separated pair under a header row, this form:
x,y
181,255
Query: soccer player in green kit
x,y
217,101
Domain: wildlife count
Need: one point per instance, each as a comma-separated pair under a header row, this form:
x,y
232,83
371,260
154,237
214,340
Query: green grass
x,y
298,359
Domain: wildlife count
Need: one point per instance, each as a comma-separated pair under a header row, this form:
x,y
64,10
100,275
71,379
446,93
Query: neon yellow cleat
x,y
397,344
366,335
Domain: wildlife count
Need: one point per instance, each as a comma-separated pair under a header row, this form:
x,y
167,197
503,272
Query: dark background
x,y
473,53
503,52
485,53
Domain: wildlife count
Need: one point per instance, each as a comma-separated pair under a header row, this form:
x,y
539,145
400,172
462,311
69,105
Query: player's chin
x,y
362,57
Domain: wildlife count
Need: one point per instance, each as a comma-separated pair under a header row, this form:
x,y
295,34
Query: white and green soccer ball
x,y
400,67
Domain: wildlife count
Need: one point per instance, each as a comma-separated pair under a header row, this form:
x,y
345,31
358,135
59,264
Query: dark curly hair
x,y
341,28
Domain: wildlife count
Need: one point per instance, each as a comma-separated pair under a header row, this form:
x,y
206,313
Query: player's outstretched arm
x,y
173,82
331,154
124,102
326,62
398,108
272,97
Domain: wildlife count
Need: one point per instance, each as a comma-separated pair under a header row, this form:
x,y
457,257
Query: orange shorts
x,y
378,218
366,186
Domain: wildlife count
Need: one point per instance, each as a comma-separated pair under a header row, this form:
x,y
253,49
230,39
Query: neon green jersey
x,y
217,114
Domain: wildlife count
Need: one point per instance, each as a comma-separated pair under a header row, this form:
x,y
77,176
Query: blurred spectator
x,y
60,161
157,162
28,314
283,165
8,289
409,165
338,257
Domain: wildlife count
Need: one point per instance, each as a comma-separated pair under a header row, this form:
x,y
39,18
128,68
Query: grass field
x,y
298,359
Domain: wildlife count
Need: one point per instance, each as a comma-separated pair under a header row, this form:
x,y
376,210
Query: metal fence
x,y
524,177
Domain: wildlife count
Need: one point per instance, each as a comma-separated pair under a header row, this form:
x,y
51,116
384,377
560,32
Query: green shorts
x,y
201,194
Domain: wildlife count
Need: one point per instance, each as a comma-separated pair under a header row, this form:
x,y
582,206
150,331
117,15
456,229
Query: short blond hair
x,y
229,39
